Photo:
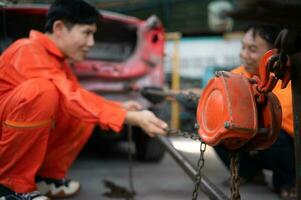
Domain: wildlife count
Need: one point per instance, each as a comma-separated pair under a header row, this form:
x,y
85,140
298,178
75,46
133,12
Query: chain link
x,y
234,167
201,160
173,131
198,177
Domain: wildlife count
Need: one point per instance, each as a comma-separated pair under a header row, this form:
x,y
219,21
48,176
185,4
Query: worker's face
x,y
253,48
77,41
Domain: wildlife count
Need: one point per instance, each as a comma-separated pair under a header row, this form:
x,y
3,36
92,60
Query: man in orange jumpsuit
x,y
280,156
46,116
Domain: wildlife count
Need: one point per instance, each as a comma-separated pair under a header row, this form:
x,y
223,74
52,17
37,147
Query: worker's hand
x,y
131,105
147,121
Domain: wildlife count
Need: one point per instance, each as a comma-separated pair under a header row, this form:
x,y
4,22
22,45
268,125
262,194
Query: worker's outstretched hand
x,y
147,121
131,105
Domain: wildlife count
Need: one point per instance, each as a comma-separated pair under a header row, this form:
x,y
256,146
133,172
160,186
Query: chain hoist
x,y
201,160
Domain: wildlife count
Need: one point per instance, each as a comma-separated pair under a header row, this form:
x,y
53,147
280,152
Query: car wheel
x,y
147,149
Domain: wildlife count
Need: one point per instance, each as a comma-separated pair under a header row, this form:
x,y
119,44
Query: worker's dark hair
x,y
267,32
71,12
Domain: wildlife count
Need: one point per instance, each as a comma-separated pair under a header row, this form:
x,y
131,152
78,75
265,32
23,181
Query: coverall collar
x,y
46,42
245,72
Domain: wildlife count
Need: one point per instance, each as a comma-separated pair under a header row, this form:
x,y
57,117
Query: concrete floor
x,y
155,181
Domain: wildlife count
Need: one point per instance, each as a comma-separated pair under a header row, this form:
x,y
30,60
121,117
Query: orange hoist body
x,y
227,111
238,112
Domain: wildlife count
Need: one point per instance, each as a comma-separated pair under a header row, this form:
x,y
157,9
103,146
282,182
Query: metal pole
x,y
175,84
296,94
208,187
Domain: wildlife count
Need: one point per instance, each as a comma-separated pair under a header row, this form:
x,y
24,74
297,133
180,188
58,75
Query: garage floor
x,y
154,181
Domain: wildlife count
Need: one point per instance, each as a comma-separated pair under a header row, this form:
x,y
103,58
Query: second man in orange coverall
x,y
279,158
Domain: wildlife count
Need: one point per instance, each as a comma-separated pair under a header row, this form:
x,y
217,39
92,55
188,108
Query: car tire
x,y
147,149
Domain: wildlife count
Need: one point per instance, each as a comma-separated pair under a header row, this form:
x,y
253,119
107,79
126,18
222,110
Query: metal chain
x,y
173,131
198,176
234,167
201,160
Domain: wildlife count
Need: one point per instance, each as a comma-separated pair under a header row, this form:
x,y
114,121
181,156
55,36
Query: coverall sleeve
x,y
32,61
285,99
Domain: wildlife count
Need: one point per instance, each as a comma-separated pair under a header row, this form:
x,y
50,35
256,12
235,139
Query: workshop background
x,y
201,51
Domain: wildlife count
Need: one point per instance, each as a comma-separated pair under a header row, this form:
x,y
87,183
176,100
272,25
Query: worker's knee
x,y
38,94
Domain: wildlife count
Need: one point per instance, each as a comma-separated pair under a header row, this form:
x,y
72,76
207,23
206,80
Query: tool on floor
x,y
117,191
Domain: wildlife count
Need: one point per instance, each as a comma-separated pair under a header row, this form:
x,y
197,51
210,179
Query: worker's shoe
x,y
57,188
7,194
287,193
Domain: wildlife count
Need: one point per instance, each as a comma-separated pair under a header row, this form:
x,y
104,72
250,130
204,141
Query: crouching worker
x,y
46,116
256,41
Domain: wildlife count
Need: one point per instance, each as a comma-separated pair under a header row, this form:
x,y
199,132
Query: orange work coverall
x,y
285,99
46,116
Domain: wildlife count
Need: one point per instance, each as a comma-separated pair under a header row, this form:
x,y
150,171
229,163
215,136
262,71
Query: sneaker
x,y
57,188
287,193
7,194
